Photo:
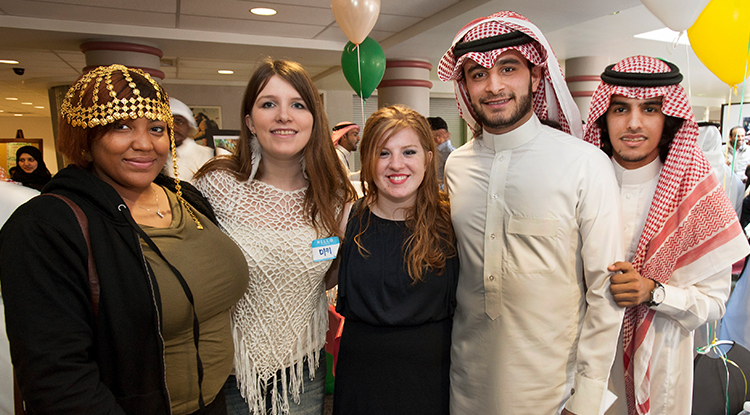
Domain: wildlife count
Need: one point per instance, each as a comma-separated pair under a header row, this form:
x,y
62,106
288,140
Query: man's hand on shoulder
x,y
629,288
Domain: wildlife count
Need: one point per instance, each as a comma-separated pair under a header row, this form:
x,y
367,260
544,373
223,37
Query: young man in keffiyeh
x,y
345,138
680,230
535,214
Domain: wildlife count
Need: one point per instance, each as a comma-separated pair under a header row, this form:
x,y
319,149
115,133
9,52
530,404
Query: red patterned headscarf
x,y
552,100
689,216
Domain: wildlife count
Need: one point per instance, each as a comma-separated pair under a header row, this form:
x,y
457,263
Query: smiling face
x,y
400,169
27,163
130,154
501,96
635,128
737,137
280,120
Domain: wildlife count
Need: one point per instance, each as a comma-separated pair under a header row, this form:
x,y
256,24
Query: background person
x,y
30,169
190,155
397,277
346,138
283,189
143,351
738,153
442,139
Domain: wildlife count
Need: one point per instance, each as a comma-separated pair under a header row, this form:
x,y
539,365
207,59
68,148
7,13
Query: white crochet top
x,y
283,316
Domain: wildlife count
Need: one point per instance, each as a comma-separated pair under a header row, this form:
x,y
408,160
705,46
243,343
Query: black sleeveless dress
x,y
394,355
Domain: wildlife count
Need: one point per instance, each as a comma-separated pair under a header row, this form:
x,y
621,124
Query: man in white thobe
x,y
536,218
738,153
345,138
680,230
191,156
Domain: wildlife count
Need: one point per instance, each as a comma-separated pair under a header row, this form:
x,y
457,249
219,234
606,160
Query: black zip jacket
x,y
65,362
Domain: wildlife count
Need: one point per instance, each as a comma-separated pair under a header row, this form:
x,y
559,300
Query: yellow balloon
x,y
720,36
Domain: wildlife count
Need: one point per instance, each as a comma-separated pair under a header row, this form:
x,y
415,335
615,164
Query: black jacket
x,y
65,362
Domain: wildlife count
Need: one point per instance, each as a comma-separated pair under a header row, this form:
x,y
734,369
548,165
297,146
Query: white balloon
x,y
678,15
356,18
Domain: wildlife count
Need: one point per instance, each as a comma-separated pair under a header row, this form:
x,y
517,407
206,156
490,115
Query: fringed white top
x,y
282,318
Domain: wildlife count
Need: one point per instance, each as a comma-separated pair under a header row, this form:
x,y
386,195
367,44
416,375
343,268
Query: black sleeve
x,y
48,311
745,217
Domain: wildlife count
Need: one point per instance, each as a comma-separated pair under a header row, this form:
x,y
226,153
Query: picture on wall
x,y
209,121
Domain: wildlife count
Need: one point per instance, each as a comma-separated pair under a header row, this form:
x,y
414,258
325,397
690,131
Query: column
x,y
583,76
144,57
406,82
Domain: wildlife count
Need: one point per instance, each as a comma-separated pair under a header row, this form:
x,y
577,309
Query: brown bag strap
x,y
93,276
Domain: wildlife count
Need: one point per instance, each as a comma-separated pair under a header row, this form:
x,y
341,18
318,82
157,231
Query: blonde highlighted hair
x,y
431,238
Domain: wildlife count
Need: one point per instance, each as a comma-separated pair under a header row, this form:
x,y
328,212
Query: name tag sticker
x,y
325,249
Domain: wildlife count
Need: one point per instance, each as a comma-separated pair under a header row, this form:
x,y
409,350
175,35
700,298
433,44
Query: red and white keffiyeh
x,y
552,100
689,217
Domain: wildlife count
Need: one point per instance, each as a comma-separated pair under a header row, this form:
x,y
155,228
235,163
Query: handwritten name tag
x,y
325,249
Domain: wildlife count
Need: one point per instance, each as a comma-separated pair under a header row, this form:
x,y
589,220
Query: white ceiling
x,y
198,38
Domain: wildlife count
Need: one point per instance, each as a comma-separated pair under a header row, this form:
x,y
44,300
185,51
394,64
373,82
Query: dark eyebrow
x,y
473,66
652,102
617,102
511,60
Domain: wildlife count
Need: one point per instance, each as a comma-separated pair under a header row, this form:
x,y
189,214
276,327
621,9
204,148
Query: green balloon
x,y
371,65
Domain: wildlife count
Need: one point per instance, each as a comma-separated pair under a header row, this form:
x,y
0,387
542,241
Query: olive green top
x,y
216,271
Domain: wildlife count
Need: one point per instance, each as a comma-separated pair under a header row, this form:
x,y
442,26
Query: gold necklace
x,y
156,195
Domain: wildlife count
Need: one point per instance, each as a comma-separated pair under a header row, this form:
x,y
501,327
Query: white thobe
x,y
536,217
741,160
691,300
344,157
191,156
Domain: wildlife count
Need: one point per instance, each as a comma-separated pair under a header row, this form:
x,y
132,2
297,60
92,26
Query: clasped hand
x,y
629,288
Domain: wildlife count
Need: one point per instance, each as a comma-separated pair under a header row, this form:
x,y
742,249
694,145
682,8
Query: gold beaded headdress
x,y
97,113
109,108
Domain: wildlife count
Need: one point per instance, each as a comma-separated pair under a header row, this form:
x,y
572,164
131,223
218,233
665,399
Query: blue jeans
x,y
311,401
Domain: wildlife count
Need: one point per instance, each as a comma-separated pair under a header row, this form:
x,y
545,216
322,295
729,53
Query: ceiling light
x,y
18,115
12,99
9,61
226,72
39,107
262,11
27,103
664,35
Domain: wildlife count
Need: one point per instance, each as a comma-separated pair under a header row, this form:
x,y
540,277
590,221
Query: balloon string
x,y
687,55
714,346
362,100
734,146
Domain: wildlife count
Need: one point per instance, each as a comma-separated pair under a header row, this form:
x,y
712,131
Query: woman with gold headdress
x,y
116,310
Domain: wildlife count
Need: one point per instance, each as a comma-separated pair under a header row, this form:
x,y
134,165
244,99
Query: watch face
x,y
658,295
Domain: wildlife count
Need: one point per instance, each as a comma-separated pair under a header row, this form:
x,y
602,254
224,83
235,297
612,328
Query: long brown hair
x,y
431,238
329,188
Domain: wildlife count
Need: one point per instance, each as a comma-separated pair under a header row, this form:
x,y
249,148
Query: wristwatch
x,y
657,295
